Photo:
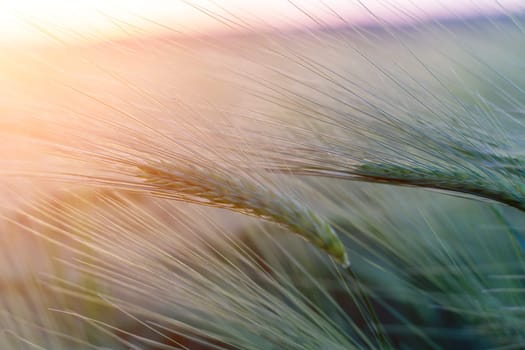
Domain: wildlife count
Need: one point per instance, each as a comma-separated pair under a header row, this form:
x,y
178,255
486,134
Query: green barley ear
x,y
240,194
499,185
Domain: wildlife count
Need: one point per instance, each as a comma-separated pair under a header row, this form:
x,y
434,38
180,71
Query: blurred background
x,y
91,266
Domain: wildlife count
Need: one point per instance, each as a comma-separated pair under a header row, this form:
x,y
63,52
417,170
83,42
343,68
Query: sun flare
x,y
81,20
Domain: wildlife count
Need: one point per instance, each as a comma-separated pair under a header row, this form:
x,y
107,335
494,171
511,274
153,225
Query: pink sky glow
x,y
23,21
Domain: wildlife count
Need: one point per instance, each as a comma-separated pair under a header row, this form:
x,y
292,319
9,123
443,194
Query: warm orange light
x,y
24,21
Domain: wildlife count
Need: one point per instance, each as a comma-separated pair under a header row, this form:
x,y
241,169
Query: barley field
x,y
330,187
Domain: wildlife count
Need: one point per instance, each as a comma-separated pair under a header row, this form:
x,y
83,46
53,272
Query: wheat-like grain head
x,y
235,193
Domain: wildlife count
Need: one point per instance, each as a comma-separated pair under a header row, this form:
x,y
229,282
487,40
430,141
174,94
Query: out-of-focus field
x,y
213,95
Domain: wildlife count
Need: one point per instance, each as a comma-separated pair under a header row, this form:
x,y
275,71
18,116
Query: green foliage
x,y
145,217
